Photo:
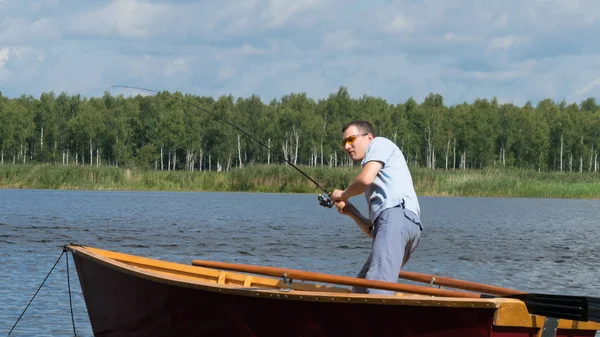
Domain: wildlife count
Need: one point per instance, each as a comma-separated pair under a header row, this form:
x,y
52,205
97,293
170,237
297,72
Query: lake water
x,y
536,245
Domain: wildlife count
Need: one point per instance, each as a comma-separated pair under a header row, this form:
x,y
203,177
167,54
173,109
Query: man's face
x,y
356,142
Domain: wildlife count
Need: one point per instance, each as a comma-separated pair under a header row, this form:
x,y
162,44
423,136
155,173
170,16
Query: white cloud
x,y
247,49
20,30
3,56
499,75
124,18
20,64
463,49
279,11
43,4
3,71
339,40
225,72
400,23
176,66
504,42
458,38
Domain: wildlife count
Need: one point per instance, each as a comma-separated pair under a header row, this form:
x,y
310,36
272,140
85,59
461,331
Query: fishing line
x,y
323,198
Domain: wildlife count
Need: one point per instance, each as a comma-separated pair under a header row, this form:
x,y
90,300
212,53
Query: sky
x,y
514,50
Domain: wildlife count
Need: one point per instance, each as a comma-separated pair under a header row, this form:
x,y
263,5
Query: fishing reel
x,y
325,200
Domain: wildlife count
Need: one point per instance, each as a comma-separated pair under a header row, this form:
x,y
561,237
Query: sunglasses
x,y
351,139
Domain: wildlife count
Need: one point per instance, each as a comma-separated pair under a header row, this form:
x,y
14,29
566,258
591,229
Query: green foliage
x,y
163,132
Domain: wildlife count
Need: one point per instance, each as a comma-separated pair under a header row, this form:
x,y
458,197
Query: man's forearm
x,y
363,223
364,226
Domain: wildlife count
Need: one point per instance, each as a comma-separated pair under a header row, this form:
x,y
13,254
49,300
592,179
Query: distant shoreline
x,y
280,178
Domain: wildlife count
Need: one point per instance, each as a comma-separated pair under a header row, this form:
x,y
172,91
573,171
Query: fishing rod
x,y
324,199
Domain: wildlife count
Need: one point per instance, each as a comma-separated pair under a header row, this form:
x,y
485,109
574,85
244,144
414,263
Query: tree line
x,y
167,131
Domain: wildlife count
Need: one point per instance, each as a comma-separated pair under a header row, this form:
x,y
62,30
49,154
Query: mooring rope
x,y
40,287
70,300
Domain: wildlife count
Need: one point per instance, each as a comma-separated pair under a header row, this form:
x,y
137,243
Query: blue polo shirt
x,y
393,182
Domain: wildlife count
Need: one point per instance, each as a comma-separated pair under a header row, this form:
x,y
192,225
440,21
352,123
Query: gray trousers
x,y
396,232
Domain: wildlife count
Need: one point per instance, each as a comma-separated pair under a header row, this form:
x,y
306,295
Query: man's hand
x,y
338,195
340,207
347,208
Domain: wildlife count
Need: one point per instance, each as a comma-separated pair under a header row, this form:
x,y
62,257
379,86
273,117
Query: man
x,y
394,213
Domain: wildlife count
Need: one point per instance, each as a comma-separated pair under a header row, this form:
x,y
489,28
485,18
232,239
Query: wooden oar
x,y
335,279
458,284
580,308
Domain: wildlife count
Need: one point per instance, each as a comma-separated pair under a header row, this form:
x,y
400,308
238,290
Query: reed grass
x,y
491,182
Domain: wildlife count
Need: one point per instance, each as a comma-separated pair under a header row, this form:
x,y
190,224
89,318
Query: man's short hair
x,y
362,126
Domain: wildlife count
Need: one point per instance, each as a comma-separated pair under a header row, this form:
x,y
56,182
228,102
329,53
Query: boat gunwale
x,y
345,297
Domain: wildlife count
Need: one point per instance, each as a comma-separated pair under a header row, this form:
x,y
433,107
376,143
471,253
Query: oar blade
x,y
579,308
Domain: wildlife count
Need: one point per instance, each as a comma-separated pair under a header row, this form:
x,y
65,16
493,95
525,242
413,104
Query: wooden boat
x,y
129,295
